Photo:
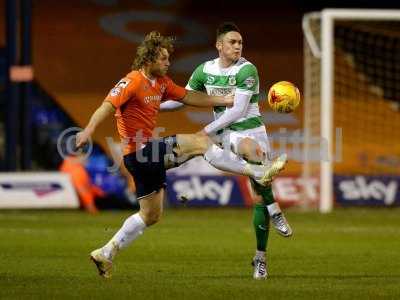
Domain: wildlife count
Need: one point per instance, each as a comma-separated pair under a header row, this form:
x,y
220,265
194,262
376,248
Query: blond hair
x,y
149,49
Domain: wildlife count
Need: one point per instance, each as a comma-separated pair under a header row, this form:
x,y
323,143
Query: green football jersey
x,y
216,81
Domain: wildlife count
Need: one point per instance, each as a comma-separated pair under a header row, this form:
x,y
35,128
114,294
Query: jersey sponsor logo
x,y
152,98
115,91
232,80
210,79
220,91
249,81
123,83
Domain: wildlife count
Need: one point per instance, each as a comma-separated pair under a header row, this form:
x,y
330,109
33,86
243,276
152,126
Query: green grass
x,y
193,254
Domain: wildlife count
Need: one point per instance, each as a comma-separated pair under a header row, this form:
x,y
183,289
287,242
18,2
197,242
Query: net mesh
x,y
367,96
366,102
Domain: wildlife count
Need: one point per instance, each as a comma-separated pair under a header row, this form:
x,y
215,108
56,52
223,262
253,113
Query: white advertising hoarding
x,y
37,190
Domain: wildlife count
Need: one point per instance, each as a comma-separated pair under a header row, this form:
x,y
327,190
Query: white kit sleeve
x,y
231,114
170,105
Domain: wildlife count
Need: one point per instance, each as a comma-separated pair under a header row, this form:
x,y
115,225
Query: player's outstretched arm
x,y
195,98
171,105
98,116
241,102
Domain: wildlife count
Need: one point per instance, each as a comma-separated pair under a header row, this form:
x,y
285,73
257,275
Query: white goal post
x,y
319,93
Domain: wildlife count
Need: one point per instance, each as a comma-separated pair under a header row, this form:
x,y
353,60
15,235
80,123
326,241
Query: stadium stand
x,y
87,58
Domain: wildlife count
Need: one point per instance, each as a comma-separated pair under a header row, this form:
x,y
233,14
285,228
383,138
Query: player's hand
x,y
82,138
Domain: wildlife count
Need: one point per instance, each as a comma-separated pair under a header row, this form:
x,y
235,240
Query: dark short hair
x,y
149,49
225,28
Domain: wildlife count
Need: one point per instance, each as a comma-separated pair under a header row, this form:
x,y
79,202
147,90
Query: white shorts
x,y
231,138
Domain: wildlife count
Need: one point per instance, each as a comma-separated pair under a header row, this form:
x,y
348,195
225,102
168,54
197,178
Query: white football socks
x,y
228,161
273,209
130,230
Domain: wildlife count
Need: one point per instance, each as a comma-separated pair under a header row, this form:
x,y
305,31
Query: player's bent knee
x,y
151,217
151,214
250,150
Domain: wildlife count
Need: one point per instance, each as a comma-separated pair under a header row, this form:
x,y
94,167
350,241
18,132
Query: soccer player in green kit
x,y
239,128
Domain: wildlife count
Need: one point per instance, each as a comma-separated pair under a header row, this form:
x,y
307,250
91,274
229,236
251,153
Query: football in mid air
x,y
284,97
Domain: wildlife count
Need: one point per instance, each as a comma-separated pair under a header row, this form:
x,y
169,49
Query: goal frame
x,y
326,54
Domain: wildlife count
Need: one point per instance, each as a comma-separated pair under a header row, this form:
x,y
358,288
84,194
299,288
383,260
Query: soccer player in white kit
x,y
239,129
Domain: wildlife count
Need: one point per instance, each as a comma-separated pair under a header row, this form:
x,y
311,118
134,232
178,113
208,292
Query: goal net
x,y
351,96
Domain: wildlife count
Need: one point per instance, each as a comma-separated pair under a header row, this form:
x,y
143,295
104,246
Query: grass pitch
x,y
198,254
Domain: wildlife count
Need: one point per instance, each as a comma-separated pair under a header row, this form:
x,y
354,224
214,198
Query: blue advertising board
x,y
367,190
200,190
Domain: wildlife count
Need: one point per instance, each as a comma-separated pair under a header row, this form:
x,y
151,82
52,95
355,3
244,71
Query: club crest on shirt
x,y
163,87
232,80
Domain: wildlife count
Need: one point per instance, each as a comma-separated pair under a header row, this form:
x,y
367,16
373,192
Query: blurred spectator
x,y
87,191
